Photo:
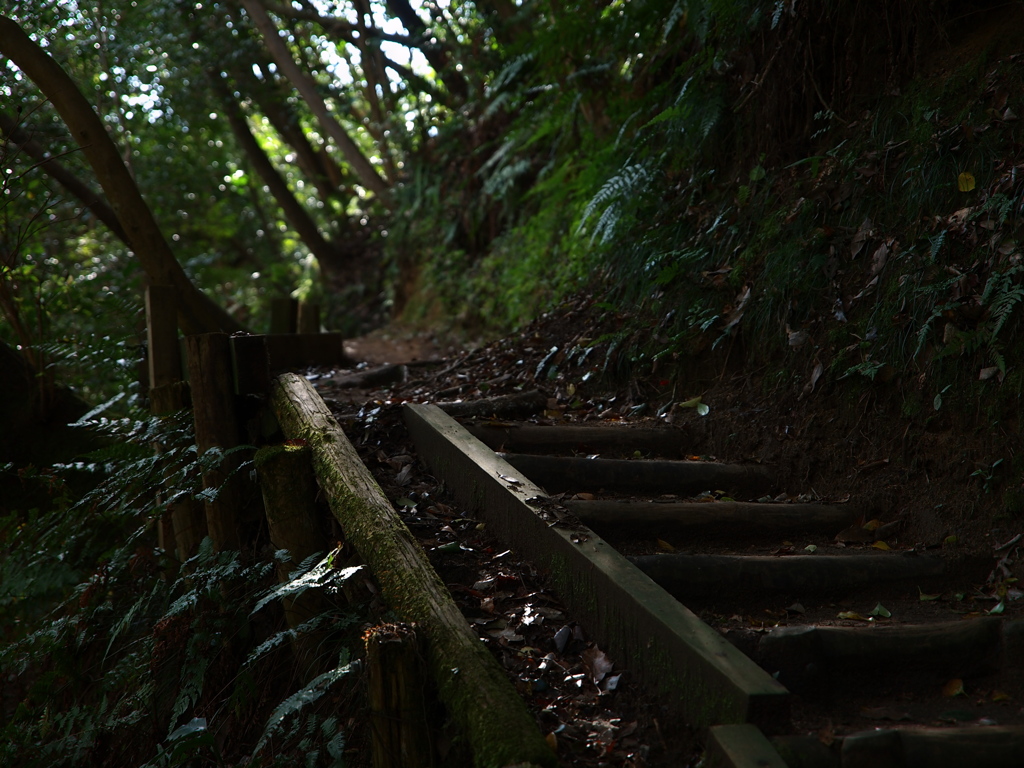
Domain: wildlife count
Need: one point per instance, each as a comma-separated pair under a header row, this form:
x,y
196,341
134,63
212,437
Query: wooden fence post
x,y
308,318
397,689
289,496
183,526
283,315
213,407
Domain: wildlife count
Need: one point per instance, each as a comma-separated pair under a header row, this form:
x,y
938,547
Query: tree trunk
x,y
197,312
297,216
483,703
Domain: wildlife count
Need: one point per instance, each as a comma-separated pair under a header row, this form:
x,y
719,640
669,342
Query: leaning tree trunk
x,y
197,312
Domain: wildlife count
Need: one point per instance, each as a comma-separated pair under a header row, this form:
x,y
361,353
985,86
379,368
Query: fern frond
x,y
298,700
628,182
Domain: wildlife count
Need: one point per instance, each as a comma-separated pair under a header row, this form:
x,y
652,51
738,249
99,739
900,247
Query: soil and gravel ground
x,y
835,441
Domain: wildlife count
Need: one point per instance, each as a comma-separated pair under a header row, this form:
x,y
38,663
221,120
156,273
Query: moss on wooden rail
x,y
480,699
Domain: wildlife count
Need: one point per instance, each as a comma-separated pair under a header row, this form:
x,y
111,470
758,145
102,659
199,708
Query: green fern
x,y
1007,296
304,697
630,182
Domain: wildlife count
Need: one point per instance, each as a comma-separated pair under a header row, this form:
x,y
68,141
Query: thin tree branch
x,y
293,211
280,114
364,169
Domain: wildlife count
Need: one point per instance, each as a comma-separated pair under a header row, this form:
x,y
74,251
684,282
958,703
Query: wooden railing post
x,y
398,685
284,313
289,496
183,526
309,317
213,407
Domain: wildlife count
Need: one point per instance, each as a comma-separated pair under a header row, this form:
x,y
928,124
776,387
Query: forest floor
x,y
930,479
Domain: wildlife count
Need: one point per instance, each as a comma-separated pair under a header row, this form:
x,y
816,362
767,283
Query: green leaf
x,y
882,611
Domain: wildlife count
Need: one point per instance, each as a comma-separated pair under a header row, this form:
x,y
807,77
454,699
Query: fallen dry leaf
x,y
863,233
597,664
954,687
853,616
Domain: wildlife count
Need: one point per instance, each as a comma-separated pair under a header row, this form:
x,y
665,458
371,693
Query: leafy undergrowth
x,y
113,654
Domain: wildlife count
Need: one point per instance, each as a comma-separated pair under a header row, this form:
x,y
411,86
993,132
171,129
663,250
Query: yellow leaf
x,y
926,598
552,741
954,687
853,616
664,546
881,545
872,525
693,402
965,181
1000,696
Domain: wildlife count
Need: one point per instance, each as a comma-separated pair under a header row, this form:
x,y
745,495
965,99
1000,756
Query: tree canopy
x,y
473,161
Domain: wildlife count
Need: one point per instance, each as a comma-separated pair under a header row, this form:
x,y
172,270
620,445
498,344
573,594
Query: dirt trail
x,y
398,345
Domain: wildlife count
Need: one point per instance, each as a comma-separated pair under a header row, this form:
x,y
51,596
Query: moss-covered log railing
x,y
480,699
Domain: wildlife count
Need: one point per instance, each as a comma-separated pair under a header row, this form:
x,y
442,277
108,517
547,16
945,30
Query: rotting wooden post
x,y
289,497
162,340
250,362
184,523
308,317
213,408
482,702
283,315
397,689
